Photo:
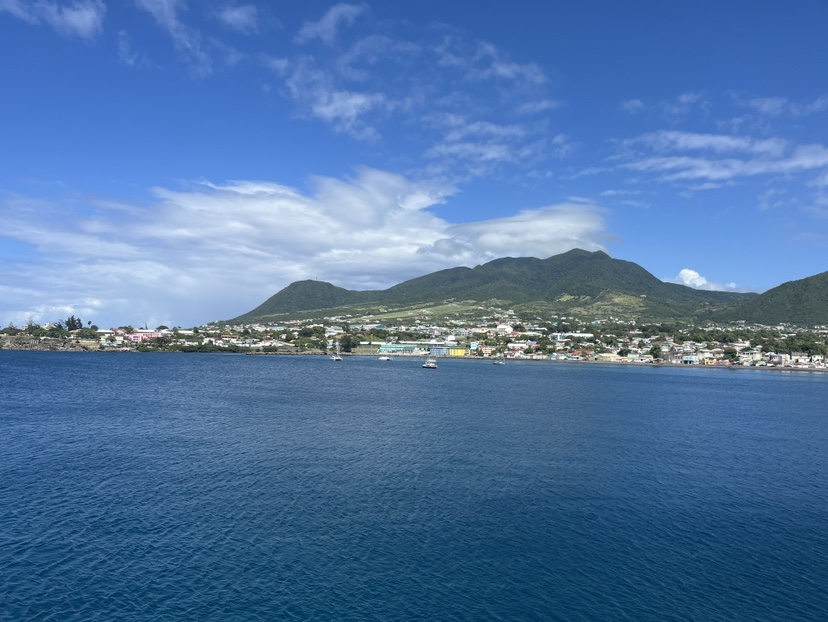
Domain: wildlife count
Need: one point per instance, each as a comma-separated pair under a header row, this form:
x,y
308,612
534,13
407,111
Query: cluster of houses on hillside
x,y
494,340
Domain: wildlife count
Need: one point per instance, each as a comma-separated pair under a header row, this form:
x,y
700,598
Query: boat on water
x,y
385,358
430,364
335,356
500,356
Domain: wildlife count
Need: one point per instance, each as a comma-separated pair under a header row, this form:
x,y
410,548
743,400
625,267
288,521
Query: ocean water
x,y
219,487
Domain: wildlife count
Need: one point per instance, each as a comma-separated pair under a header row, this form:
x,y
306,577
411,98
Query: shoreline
x,y
80,348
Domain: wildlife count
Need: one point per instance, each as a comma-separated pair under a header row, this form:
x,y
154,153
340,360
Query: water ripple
x,y
260,488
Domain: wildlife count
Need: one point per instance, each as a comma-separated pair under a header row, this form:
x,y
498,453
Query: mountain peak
x,y
575,282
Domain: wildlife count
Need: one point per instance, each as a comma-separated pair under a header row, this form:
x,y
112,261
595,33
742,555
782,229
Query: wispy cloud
x,y
483,61
188,41
539,106
314,89
719,143
242,18
226,247
713,160
326,28
675,110
682,167
632,106
620,193
464,95
359,62
488,63
777,106
127,55
81,18
479,147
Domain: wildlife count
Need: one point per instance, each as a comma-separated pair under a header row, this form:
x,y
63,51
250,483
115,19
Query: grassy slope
x,y
574,282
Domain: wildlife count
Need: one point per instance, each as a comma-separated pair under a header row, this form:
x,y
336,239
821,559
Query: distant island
x,y
578,306
589,285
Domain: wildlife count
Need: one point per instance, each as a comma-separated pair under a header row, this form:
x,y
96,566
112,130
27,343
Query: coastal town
x,y
501,335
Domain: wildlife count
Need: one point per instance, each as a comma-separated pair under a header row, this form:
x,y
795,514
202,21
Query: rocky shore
x,y
45,344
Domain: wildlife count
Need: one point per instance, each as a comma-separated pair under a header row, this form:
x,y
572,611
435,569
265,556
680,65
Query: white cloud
x,y
821,181
187,41
243,18
538,106
620,193
720,143
278,65
326,28
127,55
679,108
772,198
359,62
490,64
693,279
632,106
81,18
217,250
541,233
344,110
770,106
636,204
686,168
776,106
711,161
560,146
479,147
462,94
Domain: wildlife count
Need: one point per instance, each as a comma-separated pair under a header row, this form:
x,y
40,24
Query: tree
x,y
88,333
379,333
655,351
348,342
73,323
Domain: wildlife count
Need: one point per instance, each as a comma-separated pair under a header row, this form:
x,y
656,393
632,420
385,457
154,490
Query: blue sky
x,y
174,162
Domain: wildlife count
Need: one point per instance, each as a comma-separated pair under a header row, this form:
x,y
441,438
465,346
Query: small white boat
x,y
385,358
499,362
335,356
430,364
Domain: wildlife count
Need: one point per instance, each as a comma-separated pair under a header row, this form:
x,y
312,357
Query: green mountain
x,y
803,303
577,282
304,296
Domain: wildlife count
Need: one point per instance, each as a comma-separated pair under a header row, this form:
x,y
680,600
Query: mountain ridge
x,y
577,281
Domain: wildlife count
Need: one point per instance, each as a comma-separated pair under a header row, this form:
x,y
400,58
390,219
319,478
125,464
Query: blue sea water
x,y
214,487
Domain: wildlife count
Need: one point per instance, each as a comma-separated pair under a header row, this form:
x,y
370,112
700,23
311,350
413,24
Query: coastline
x,y
33,345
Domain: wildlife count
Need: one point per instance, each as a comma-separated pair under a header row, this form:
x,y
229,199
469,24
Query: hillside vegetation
x,y
577,282
803,303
